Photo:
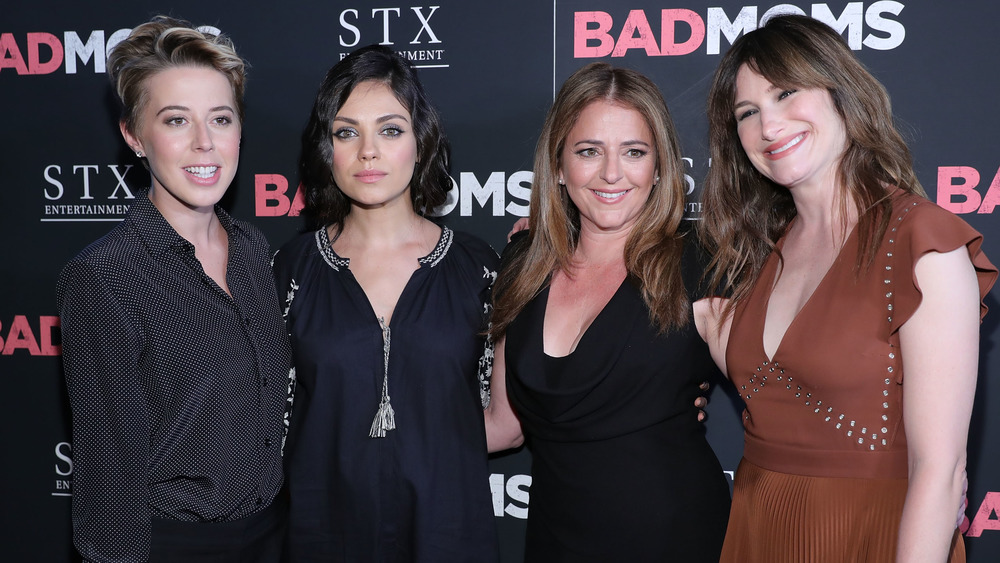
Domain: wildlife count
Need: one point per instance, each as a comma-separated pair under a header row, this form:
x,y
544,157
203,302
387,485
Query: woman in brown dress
x,y
839,273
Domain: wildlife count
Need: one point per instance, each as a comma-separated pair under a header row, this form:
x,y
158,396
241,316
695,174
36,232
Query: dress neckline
x,y
771,270
325,246
601,313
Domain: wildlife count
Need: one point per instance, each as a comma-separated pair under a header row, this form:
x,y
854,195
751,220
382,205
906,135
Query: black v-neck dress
x,y
621,469
422,492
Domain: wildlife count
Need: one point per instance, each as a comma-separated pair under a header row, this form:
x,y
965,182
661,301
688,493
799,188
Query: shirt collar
x,y
158,235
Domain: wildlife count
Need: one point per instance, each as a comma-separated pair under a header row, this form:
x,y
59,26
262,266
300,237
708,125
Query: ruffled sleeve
x,y
920,226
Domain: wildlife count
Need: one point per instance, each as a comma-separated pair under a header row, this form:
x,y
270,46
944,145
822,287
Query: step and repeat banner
x,y
491,68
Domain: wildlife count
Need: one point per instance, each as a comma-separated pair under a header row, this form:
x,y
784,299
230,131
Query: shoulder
x,y
102,264
924,226
295,250
252,235
107,254
474,249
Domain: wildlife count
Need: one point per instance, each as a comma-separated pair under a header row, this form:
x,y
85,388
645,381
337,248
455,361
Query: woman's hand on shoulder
x,y
519,225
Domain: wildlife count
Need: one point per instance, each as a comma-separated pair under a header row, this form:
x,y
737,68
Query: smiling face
x,y
374,147
608,166
794,137
190,135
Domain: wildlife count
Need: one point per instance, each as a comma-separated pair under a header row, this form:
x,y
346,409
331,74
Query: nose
x,y
612,171
770,125
368,149
203,138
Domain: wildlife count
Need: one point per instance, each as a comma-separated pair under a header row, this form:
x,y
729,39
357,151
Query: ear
x,y
130,139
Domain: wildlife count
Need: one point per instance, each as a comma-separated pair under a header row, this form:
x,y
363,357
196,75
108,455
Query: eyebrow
x,y
381,119
742,103
629,143
185,108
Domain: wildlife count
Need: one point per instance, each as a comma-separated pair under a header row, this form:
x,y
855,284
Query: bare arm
x,y
503,429
713,328
940,352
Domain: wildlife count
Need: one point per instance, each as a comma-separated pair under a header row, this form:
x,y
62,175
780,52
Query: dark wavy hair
x,y
745,212
325,203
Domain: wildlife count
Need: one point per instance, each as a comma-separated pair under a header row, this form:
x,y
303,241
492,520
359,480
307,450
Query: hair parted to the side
x,y
163,43
654,247
745,213
325,203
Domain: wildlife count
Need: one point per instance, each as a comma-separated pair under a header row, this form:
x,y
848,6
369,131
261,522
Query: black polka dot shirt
x,y
178,390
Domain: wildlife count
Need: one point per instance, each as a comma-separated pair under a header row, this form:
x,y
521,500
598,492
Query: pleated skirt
x,y
784,518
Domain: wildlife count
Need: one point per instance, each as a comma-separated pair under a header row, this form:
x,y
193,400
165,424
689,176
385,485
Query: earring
x,y
656,180
139,154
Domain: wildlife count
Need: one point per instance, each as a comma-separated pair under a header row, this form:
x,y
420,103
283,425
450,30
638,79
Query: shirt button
x,y
267,441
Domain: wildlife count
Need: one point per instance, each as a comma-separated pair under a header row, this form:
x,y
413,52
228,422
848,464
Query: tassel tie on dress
x,y
385,418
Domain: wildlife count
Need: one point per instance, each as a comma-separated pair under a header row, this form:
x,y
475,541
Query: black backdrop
x,y
491,68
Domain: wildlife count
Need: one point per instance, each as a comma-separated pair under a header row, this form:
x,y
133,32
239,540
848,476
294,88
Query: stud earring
x,y
139,154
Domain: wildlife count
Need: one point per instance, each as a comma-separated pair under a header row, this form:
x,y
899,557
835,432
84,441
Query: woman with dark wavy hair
x,y
841,276
386,452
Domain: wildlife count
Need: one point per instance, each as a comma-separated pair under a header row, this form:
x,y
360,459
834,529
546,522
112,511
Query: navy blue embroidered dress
x,y
422,492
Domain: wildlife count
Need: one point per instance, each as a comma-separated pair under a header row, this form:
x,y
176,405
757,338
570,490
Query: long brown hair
x,y
745,212
653,248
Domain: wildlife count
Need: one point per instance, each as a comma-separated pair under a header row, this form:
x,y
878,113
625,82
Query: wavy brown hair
x,y
653,248
745,212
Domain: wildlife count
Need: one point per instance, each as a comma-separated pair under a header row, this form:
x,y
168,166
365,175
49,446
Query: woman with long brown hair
x,y
593,319
840,274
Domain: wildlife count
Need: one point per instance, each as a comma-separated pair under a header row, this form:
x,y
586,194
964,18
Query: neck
x,y
819,212
381,227
198,225
597,248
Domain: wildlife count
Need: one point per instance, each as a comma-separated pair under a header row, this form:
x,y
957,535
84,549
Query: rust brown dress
x,y
824,469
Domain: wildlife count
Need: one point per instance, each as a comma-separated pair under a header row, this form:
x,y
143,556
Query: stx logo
x,y
46,53
63,486
19,335
961,182
81,175
387,16
683,31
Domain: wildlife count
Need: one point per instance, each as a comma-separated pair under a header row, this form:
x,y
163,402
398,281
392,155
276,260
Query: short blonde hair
x,y
163,43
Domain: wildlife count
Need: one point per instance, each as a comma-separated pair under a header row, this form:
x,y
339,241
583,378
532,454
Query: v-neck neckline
x,y
339,263
773,265
583,334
